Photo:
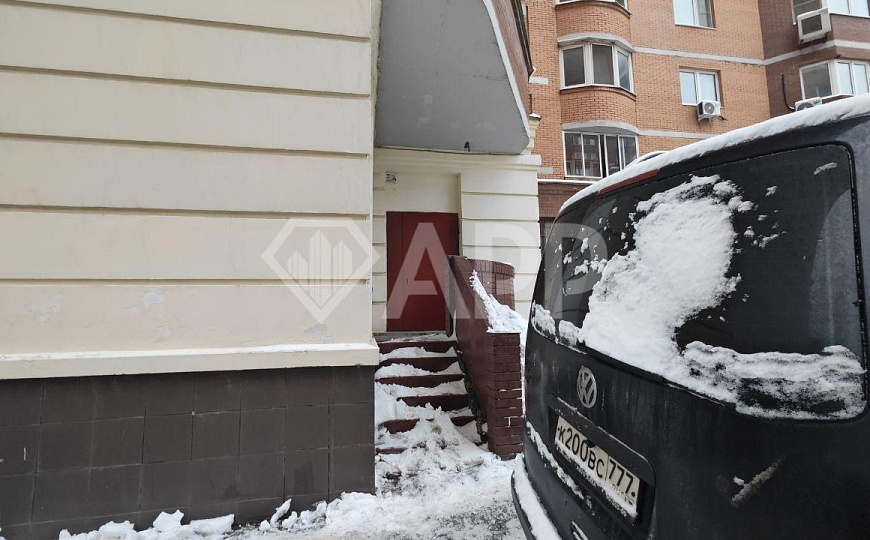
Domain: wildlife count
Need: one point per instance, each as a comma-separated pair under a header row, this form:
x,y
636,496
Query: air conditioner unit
x,y
813,25
708,109
807,103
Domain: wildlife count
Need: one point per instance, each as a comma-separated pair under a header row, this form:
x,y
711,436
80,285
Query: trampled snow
x,y
443,487
684,241
829,112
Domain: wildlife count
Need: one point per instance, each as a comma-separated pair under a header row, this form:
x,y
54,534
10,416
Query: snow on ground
x,y
165,527
446,488
443,486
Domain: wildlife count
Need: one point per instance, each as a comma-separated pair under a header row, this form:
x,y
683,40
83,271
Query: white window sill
x,y
583,178
695,26
850,15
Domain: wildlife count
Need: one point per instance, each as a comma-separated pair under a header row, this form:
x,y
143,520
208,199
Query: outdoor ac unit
x,y
813,25
709,109
807,103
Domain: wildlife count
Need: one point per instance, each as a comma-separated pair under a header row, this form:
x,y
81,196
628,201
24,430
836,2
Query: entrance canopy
x,y
453,76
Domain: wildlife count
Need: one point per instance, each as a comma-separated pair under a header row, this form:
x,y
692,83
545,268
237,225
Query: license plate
x,y
618,483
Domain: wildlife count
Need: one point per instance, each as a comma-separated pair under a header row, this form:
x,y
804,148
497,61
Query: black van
x,y
695,360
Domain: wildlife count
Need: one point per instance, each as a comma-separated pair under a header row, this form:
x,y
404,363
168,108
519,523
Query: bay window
x,y
850,7
620,2
596,63
835,77
596,155
860,8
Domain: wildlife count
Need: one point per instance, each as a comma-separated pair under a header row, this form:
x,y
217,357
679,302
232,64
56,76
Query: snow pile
x,y
502,319
442,487
684,241
388,406
829,112
165,527
418,337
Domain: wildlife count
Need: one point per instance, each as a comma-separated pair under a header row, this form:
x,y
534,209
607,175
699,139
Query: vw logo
x,y
587,388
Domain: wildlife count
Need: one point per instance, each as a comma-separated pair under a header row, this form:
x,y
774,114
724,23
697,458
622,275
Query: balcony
x,y
453,76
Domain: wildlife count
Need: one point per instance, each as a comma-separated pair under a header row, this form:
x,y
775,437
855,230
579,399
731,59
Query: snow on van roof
x,y
829,112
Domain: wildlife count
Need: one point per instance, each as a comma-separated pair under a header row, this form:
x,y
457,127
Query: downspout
x,y
784,98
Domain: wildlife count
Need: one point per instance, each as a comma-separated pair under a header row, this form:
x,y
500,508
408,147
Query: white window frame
x,y
822,3
852,64
695,73
697,17
826,4
589,68
834,76
851,12
602,146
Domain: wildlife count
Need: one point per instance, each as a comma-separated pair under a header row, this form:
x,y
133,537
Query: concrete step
x,y
447,402
421,381
400,426
433,363
431,346
390,449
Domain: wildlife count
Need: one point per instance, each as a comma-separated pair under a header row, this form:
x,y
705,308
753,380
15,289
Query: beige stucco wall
x,y
150,151
496,198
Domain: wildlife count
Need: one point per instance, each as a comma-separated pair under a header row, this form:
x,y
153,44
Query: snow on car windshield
x,y
690,276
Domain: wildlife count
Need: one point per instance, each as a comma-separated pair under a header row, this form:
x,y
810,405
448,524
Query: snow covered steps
x,y
418,376
401,426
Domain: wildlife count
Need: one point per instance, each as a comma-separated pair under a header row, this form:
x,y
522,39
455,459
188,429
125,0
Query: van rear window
x,y
739,282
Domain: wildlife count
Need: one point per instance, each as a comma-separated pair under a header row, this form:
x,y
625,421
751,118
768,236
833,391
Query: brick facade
x,y
748,34
786,56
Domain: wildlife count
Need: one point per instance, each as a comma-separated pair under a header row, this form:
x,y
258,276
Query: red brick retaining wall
x,y
492,360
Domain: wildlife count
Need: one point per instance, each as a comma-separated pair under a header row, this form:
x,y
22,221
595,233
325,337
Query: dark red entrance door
x,y
418,244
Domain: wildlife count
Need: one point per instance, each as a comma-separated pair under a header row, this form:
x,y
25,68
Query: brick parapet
x,y
492,360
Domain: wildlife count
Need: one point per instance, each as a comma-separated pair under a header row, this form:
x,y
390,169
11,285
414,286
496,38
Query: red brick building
x,y
616,79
